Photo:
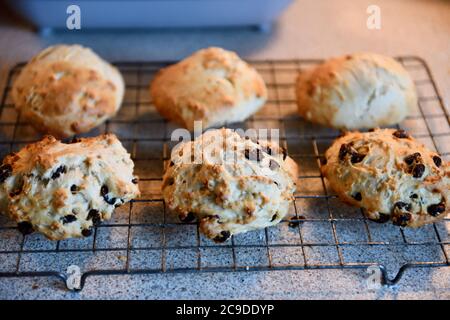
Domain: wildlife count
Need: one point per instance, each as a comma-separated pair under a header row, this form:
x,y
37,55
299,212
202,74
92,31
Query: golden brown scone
x,y
67,90
362,90
212,85
64,190
390,175
234,184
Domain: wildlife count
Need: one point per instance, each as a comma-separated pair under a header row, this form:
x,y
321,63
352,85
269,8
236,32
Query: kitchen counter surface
x,y
308,29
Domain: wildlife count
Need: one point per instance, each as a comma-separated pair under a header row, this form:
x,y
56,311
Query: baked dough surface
x,y
213,86
234,185
63,190
362,90
390,175
67,90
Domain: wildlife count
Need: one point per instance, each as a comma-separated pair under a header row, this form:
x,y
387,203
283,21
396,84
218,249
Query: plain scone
x,y
64,190
390,175
234,185
213,86
362,90
67,90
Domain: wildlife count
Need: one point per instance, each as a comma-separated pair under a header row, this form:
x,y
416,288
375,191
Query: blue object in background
x,y
52,14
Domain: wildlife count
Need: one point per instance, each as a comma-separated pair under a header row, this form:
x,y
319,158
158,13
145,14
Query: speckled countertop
x,y
308,29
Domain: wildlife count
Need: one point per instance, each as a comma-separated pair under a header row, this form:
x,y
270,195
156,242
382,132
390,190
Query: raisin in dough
x,y
213,86
362,90
63,190
67,90
390,175
234,185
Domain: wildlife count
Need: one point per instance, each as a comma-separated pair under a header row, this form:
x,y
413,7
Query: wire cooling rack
x,y
320,232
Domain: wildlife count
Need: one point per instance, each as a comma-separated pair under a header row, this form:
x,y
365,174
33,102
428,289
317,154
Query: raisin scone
x,y
213,86
361,90
390,175
229,183
67,90
64,190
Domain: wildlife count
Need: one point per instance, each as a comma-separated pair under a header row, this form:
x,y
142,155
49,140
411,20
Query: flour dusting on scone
x,y
361,90
67,90
64,190
390,175
229,183
213,86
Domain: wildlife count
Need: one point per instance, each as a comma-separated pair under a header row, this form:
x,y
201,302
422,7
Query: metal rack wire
x,y
319,233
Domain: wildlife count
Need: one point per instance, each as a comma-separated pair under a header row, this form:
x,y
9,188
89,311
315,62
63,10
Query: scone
x,y
363,90
390,175
64,190
213,86
67,90
229,183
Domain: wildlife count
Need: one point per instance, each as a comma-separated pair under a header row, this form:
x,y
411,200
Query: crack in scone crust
x,y
390,175
233,186
64,190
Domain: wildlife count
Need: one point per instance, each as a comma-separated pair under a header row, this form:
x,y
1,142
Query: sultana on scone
x,y
233,184
67,90
64,190
390,175
362,90
213,86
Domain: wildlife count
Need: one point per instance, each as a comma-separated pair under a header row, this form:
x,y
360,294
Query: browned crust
x,y
193,89
345,176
